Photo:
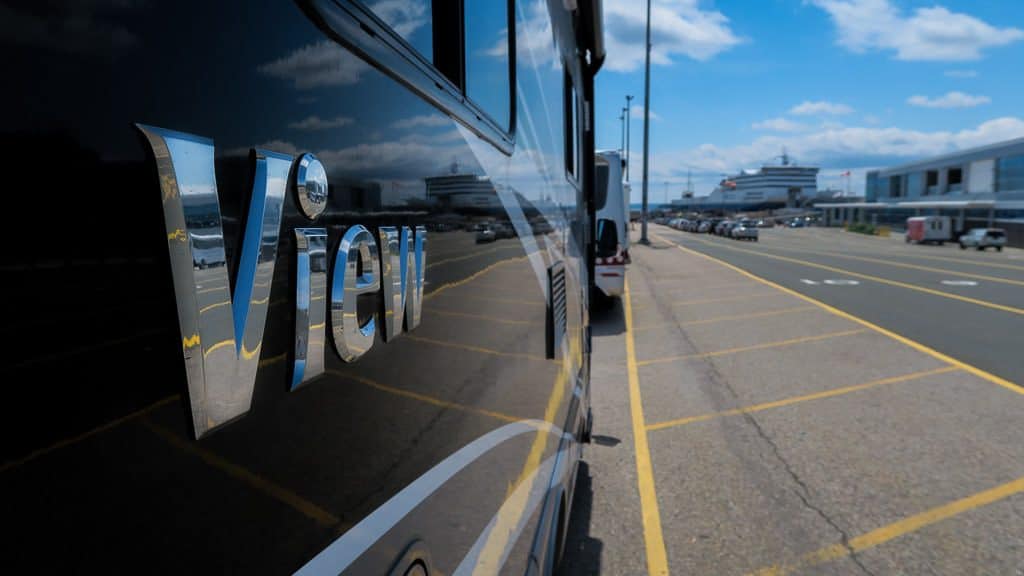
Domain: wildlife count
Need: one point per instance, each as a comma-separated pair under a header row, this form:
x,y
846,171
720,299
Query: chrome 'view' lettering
x,y
222,333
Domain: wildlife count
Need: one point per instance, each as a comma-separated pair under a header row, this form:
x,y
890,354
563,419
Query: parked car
x,y
704,227
504,230
745,230
485,233
982,238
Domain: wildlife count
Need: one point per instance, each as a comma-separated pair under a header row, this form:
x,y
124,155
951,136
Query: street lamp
x,y
647,126
622,120
628,110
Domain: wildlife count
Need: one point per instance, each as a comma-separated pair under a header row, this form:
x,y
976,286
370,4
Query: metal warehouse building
x,y
979,187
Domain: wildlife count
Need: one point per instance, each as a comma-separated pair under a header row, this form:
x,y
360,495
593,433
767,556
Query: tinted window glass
x,y
410,19
607,238
571,144
600,186
487,57
1010,173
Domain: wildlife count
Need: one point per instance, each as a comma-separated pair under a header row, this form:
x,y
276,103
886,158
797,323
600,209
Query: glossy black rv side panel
x,y
181,174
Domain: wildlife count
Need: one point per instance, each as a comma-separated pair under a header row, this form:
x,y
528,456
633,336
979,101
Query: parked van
x,y
611,252
921,229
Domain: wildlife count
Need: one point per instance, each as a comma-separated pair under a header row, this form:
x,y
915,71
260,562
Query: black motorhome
x,y
248,329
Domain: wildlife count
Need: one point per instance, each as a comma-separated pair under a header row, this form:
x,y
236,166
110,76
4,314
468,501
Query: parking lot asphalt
x,y
748,422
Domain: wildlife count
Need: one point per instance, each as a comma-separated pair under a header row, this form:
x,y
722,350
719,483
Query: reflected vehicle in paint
x,y
486,233
238,378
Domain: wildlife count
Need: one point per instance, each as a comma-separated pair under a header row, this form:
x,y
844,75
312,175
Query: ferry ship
x,y
786,185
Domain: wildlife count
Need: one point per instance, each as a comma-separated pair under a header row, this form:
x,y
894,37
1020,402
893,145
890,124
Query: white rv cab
x,y
611,235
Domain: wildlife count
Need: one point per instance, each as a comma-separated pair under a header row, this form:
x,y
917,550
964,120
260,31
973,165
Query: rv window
x,y
600,185
607,238
487,58
571,128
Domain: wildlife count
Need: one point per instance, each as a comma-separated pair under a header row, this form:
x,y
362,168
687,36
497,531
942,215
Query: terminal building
x,y
978,187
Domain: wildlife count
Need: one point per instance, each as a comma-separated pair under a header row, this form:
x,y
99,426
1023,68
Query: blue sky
x,y
841,84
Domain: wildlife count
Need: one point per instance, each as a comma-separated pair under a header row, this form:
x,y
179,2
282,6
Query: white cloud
x,y
315,123
678,27
636,112
321,64
933,33
808,108
949,100
872,120
961,73
846,148
779,125
403,16
423,121
535,44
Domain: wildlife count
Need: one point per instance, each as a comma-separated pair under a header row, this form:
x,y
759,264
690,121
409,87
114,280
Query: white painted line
x,y
842,282
959,282
811,282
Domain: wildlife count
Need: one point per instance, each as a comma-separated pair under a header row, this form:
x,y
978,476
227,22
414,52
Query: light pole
x,y
629,112
647,126
622,119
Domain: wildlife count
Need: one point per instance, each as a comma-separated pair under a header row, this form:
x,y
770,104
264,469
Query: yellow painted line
x,y
255,481
911,254
799,399
207,290
762,346
712,286
716,319
748,316
471,348
471,277
206,309
897,529
489,561
453,313
902,339
10,465
538,301
273,360
725,299
905,265
654,540
878,279
424,398
465,256
966,261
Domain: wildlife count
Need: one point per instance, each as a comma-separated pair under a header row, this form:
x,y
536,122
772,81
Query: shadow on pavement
x,y
606,318
602,440
582,552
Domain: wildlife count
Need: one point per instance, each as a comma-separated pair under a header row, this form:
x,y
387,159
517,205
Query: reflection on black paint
x,y
487,54
89,301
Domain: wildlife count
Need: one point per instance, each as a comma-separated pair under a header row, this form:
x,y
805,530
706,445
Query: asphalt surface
x,y
986,331
741,428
